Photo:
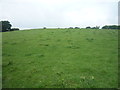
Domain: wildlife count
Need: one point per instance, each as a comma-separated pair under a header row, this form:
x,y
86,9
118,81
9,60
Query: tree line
x,y
111,27
6,26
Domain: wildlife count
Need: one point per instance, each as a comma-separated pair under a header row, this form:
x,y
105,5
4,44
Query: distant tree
x,y
77,28
70,28
105,27
14,29
111,27
88,27
118,26
44,27
93,27
6,26
97,27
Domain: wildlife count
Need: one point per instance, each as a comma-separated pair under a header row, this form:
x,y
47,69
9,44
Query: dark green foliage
x,y
6,26
111,27
77,28
44,27
97,27
88,27
14,29
70,28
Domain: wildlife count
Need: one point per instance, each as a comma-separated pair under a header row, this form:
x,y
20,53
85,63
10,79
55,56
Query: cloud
x,y
59,13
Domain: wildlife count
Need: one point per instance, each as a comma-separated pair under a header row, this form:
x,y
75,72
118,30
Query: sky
x,y
26,14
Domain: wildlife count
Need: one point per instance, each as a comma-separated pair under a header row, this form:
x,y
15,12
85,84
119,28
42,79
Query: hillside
x,y
60,58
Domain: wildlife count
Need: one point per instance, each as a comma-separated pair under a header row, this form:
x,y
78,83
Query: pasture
x,y
60,58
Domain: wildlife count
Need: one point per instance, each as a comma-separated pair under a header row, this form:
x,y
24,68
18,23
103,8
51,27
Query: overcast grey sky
x,y
59,13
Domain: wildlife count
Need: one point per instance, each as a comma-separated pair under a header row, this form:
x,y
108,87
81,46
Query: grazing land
x,y
60,58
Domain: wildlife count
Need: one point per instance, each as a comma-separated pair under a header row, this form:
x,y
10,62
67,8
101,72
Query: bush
x,y
77,28
111,27
70,28
44,27
14,29
88,27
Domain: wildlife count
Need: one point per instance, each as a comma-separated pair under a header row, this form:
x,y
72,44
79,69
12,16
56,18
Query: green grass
x,y
58,58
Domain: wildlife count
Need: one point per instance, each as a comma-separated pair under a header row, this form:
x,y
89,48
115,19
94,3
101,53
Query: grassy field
x,y
60,58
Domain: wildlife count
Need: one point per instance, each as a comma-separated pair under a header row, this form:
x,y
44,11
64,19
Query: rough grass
x,y
60,58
